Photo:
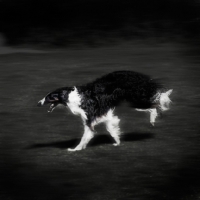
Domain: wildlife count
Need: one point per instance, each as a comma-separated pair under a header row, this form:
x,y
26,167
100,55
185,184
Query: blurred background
x,y
45,45
69,22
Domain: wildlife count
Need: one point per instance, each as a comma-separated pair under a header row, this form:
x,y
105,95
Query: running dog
x,y
95,102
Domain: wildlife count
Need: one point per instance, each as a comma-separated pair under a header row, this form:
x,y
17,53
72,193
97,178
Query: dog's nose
x,y
39,104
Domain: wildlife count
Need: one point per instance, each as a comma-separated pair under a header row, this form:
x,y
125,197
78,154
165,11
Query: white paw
x,y
69,149
75,149
115,144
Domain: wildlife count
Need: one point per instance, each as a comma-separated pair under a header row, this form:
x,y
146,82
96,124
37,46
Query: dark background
x,y
65,22
79,41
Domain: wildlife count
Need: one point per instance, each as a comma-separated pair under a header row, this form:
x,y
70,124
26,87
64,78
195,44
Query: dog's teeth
x,y
51,108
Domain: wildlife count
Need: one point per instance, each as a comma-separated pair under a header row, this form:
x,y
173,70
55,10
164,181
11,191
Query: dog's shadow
x,y
96,141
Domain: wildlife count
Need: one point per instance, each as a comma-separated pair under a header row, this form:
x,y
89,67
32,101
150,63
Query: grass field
x,y
152,163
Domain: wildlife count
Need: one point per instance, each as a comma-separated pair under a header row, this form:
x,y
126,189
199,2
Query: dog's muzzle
x,y
41,102
53,104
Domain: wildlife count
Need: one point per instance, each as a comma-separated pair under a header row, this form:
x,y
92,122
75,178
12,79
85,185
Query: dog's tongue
x,y
52,106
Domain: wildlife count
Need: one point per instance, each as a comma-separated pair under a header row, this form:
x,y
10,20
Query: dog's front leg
x,y
112,126
87,136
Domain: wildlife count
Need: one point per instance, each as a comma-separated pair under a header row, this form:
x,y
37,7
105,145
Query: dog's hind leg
x,y
87,136
112,126
153,114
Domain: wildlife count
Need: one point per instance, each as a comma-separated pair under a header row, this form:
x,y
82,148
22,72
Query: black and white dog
x,y
95,102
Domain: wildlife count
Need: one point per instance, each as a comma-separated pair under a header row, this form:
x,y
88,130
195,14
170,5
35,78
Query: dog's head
x,y
59,96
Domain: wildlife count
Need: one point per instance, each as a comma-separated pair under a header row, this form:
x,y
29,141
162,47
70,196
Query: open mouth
x,y
52,106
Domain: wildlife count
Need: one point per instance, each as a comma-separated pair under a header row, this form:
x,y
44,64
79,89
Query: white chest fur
x,y
74,103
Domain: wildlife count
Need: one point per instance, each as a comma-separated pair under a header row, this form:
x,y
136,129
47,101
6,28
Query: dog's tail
x,y
164,100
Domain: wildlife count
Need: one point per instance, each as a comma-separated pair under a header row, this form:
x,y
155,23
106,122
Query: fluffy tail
x,y
165,100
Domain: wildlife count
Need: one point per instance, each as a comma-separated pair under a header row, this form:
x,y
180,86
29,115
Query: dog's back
x,y
136,88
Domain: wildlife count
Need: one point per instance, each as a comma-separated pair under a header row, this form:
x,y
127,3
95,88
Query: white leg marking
x,y
153,115
112,126
87,136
